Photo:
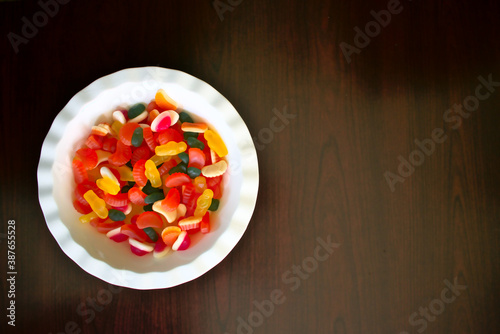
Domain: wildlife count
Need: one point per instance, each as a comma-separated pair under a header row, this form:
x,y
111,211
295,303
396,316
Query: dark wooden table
x,y
378,209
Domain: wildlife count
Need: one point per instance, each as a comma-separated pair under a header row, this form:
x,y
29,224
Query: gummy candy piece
x,y
109,145
140,153
177,179
126,209
139,173
166,167
79,171
181,211
108,185
214,157
116,235
184,117
136,110
196,158
88,156
193,172
182,243
172,200
82,208
170,234
215,204
152,106
136,196
152,115
139,248
149,138
118,116
214,184
106,226
117,200
216,169
194,127
125,173
189,223
101,130
203,202
154,197
137,137
158,160
161,249
148,189
152,174
88,217
151,233
161,122
116,215
170,216
122,155
195,143
126,133
169,134
149,219
180,168
184,157
188,135
188,193
171,148
102,156
83,187
97,204
200,184
132,231
94,142
164,101
116,126
141,117
216,143
205,224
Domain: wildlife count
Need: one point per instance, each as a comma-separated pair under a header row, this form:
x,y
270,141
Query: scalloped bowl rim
x,y
68,131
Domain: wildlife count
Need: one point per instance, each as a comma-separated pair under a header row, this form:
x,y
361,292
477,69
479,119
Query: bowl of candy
x,y
148,178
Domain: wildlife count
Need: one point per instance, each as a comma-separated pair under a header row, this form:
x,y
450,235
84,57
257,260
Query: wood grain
x,y
322,175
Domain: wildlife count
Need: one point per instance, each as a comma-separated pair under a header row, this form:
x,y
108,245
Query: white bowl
x,y
113,262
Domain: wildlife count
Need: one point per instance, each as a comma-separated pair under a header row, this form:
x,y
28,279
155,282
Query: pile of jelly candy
x,y
151,177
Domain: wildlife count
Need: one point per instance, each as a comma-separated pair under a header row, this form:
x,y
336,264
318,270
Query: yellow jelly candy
x,y
108,185
159,159
85,219
203,203
97,204
171,148
152,174
215,142
125,173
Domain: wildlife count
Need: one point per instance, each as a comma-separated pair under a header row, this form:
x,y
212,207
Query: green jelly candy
x,y
184,117
125,189
215,205
148,207
136,110
180,168
151,233
193,172
137,137
156,196
116,215
148,189
195,143
188,135
184,157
